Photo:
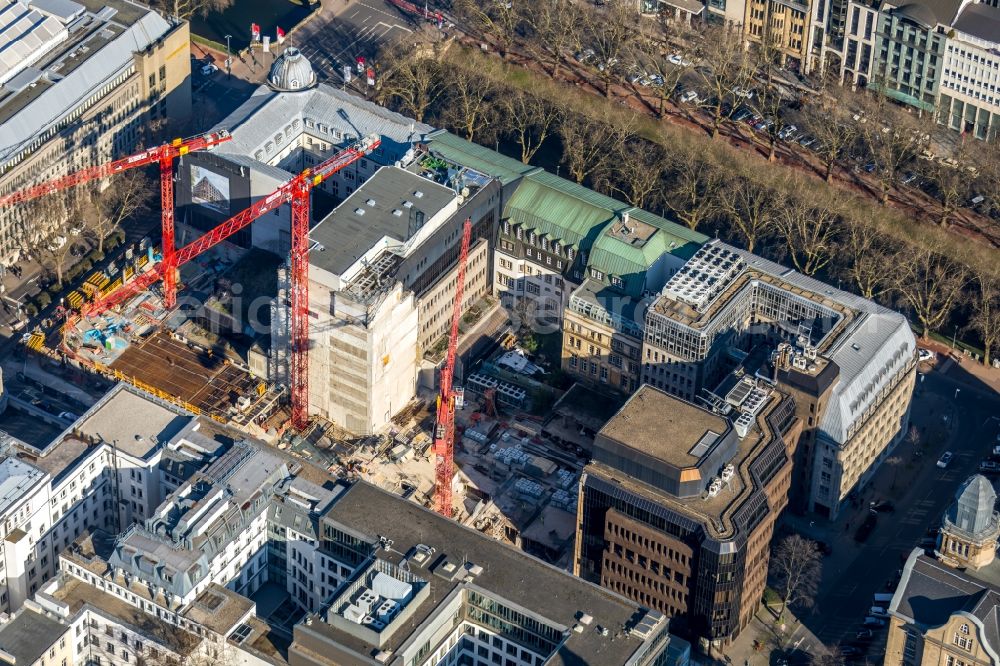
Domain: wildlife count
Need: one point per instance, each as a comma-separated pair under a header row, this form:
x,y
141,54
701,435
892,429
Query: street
x,y
967,425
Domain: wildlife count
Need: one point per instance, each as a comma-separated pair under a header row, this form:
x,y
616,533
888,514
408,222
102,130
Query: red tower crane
x,y
296,192
163,155
444,428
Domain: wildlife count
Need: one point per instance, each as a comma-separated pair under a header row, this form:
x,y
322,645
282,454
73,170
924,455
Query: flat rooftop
x,y
219,609
662,426
77,594
134,421
16,478
393,204
29,635
714,512
507,573
60,457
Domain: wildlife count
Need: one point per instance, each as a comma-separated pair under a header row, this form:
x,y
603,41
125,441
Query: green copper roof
x,y
476,157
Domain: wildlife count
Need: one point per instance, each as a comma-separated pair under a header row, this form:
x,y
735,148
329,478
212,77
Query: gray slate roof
x,y
929,593
338,115
980,20
973,508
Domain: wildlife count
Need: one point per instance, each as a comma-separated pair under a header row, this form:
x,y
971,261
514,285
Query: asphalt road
x,y
970,417
360,29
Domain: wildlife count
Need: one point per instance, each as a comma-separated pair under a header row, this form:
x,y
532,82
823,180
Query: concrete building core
x,y
382,278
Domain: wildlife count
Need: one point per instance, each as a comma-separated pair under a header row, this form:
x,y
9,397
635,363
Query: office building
x,y
850,362
969,95
548,230
383,274
427,590
109,470
83,84
946,609
631,259
287,125
786,26
677,507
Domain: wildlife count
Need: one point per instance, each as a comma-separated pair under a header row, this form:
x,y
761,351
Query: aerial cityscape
x,y
499,332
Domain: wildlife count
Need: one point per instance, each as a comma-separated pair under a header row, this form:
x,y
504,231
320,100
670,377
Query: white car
x,y
676,59
689,97
209,69
745,93
945,459
926,355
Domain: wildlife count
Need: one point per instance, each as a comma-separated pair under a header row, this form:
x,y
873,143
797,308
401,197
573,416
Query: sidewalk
x,y
791,636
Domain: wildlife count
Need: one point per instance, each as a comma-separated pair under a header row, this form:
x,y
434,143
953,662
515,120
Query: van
x,y
873,622
883,598
878,611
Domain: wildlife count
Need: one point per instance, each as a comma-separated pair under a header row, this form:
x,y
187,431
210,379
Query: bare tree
x,y
694,178
612,33
952,179
411,81
637,174
893,137
929,284
796,568
530,119
726,65
810,229
556,28
498,20
53,237
470,101
127,194
750,205
588,142
985,318
669,74
187,9
866,254
830,122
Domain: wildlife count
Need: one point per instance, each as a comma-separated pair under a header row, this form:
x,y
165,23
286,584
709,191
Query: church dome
x,y
291,71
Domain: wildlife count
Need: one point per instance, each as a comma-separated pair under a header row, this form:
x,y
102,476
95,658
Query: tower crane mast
x,y
444,428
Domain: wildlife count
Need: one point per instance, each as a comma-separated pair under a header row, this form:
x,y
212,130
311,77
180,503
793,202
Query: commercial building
x,y
348,574
969,95
677,508
289,124
110,470
850,362
946,609
787,26
83,83
550,228
383,274
630,261
429,591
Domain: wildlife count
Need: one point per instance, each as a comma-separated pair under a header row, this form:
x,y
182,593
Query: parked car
x,y
806,141
787,132
908,178
883,506
990,467
655,80
878,611
945,459
742,114
676,59
209,69
689,97
926,355
69,416
585,55
745,93
607,65
865,635
871,621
